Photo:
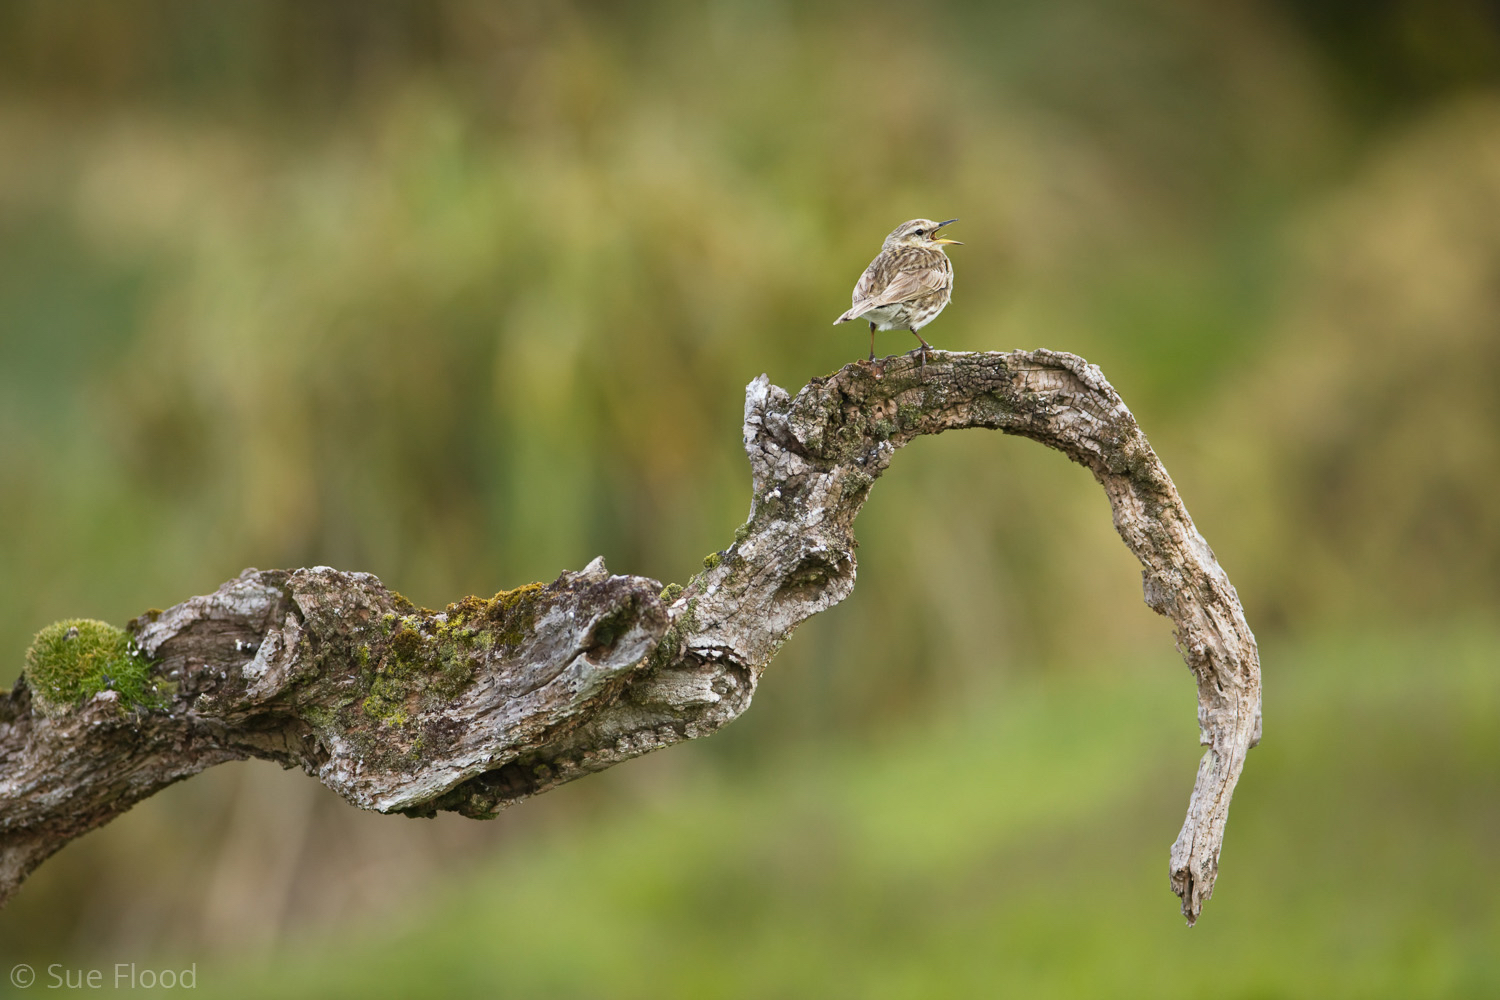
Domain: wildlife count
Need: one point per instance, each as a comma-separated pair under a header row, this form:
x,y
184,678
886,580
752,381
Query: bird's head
x,y
920,233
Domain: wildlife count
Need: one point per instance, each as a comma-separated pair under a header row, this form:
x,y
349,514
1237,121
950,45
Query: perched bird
x,y
907,284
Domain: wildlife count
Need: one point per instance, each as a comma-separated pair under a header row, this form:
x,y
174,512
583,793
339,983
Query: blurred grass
x,y
1015,844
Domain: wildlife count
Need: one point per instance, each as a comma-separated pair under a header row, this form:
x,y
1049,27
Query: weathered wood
x,y
470,709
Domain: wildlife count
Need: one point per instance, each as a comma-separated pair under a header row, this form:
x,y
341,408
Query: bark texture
x,y
472,708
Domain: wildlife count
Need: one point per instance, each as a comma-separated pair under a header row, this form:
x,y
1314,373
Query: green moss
x,y
387,700
320,717
429,658
515,610
742,532
507,618
400,673
855,482
670,593
456,643
455,669
407,643
711,560
73,660
671,642
509,599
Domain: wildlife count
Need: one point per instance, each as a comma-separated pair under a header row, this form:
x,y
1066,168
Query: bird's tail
x,y
853,313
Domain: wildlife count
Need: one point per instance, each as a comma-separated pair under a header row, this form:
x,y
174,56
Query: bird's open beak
x,y
957,243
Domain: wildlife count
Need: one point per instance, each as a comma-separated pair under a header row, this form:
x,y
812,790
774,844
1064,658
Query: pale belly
x,y
904,315
887,317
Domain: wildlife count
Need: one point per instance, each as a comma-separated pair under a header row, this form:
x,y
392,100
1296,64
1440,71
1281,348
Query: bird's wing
x,y
867,287
879,286
909,285
873,280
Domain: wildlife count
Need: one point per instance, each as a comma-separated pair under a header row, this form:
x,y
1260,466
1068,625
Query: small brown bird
x,y
907,284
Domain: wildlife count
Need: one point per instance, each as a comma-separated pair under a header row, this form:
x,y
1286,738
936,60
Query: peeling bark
x,y
473,708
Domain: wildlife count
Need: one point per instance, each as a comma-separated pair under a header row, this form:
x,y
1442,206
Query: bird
x,y
907,284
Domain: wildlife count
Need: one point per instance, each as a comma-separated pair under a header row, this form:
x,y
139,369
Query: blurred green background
x,y
466,293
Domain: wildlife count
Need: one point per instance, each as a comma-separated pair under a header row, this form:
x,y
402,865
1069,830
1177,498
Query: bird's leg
x,y
872,341
923,349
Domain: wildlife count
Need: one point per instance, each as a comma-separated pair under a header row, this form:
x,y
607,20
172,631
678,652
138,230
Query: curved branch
x,y
470,709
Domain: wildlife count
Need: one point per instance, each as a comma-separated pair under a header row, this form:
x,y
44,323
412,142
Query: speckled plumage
x,y
907,284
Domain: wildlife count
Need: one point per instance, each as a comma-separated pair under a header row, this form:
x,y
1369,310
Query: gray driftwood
x,y
470,709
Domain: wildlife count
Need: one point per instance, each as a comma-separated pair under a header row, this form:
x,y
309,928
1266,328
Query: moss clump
x,y
388,691
516,609
402,672
711,560
855,483
670,593
429,658
506,618
407,643
671,643
73,660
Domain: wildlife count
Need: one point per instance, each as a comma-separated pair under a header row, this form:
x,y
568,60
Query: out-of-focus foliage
x,y
1392,58
466,293
1364,455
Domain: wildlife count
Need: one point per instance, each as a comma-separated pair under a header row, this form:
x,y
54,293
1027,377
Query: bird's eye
x,y
921,232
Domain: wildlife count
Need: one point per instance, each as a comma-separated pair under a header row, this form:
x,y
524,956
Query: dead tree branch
x,y
470,709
